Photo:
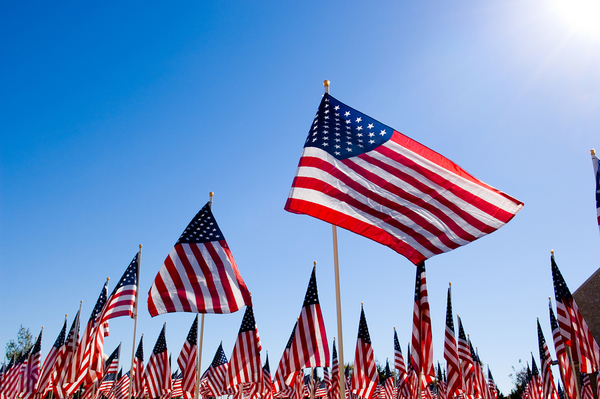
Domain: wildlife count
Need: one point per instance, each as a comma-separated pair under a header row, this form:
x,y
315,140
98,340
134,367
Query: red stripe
x,y
192,277
200,297
164,292
214,294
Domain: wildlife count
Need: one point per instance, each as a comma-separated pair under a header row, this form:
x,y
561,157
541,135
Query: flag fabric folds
x,y
48,367
422,340
31,373
364,375
366,177
548,387
566,372
245,364
158,369
187,360
213,379
65,357
466,361
596,163
138,385
455,378
334,392
200,274
281,381
402,385
572,326
122,300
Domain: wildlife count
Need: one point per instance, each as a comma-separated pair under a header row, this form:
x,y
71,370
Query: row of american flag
x,y
355,173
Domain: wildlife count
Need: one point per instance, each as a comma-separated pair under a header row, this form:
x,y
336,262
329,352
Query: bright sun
x,y
582,15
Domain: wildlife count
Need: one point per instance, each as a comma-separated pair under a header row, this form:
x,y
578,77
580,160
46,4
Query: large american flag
x,y
548,386
366,177
596,163
566,372
422,340
364,374
455,377
572,325
309,345
158,370
137,386
213,379
200,274
122,300
244,363
48,367
187,359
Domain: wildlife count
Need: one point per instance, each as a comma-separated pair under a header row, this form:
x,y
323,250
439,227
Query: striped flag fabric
x,y
31,373
596,163
334,391
466,361
200,274
12,378
455,377
536,385
111,367
177,378
492,385
566,372
479,385
364,375
572,325
399,364
586,386
65,358
282,381
548,387
122,300
309,345
187,359
121,388
215,375
422,340
442,387
138,385
366,177
48,367
245,364
266,388
388,384
158,369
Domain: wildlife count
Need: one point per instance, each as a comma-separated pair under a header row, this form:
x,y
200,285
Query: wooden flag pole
x,y
201,335
338,298
135,311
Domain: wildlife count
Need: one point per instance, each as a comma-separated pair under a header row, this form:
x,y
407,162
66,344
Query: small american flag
x,y
455,378
137,388
266,388
31,373
187,359
122,300
466,361
65,357
214,377
422,340
586,386
309,345
548,386
177,378
282,381
573,327
442,387
402,387
364,176
244,363
492,385
121,388
49,363
334,392
364,375
158,370
200,274
388,384
566,373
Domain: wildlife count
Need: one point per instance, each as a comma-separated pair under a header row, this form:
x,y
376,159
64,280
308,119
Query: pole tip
x,y
211,194
449,284
326,83
552,252
108,278
140,246
315,263
593,152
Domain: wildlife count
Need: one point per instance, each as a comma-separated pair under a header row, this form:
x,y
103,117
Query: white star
x,y
337,139
315,139
326,117
371,134
349,149
347,113
370,126
348,121
371,141
337,153
326,111
358,119
325,138
349,142
337,133
325,144
337,146
359,128
382,133
359,135
336,107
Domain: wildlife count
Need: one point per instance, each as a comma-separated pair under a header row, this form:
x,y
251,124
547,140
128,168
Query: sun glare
x,y
581,15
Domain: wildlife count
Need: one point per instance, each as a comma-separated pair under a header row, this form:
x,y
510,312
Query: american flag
x,y
455,377
388,384
244,363
177,378
200,274
466,361
566,372
187,359
158,370
122,300
366,177
87,362
492,385
111,367
400,365
31,373
65,358
334,392
138,386
422,340
442,388
309,345
548,386
573,327
364,375
49,363
121,388
266,389
215,375
586,386
12,379
536,389
282,381
479,385
596,163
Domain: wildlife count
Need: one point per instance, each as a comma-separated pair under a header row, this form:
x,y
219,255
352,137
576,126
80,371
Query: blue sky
x,y
118,119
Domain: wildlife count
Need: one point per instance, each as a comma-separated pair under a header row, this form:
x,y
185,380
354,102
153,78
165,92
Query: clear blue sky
x,y
117,119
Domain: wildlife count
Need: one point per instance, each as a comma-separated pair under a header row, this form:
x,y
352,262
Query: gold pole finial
x,y
326,83
108,278
593,152
140,246
552,251
315,263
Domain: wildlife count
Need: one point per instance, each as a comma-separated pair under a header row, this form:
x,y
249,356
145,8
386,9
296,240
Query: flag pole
x,y
135,311
338,299
201,335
